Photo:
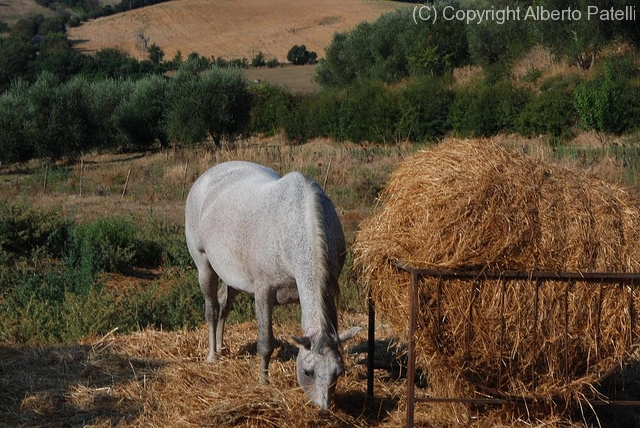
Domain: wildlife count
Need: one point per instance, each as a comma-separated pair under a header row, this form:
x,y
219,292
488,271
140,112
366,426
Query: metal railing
x,y
493,397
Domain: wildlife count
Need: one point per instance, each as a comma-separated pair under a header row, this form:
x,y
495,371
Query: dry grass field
x,y
228,28
13,10
295,78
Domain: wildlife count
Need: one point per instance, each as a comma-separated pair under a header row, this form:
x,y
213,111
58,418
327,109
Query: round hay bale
x,y
477,205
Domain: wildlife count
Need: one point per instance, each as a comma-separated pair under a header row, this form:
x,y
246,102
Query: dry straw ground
x,y
477,205
228,28
159,379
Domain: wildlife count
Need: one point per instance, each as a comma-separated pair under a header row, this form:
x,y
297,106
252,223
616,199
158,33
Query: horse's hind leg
x,y
226,297
265,299
208,280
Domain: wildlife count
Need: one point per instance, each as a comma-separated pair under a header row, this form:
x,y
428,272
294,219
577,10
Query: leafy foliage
x,y
299,55
598,105
51,289
392,48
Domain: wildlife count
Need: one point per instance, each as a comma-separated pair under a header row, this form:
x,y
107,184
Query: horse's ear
x,y
302,341
346,335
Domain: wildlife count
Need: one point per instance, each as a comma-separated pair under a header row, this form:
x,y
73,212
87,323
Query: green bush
x,y
326,115
371,111
424,109
104,245
393,48
488,109
599,105
63,120
107,96
24,230
296,121
473,112
176,307
185,118
258,60
38,308
299,55
271,104
549,113
630,100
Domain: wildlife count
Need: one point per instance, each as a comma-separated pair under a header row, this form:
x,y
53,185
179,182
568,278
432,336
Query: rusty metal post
x,y
371,338
411,357
632,316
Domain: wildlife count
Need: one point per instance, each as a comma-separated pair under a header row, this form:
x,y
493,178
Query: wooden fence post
x,y
126,182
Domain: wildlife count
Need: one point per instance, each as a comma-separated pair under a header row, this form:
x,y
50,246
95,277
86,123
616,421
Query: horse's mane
x,y
325,283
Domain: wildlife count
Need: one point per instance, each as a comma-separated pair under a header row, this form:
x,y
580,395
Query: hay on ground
x,y
477,205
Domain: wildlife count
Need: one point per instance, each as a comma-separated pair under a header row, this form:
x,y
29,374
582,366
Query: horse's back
x,y
253,224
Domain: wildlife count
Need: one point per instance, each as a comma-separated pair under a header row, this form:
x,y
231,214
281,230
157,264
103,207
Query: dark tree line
x,y
54,119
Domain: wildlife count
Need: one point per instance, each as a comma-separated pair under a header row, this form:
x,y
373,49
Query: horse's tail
x,y
325,282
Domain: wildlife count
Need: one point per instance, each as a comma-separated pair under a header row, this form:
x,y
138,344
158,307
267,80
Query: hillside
x,y
228,28
13,10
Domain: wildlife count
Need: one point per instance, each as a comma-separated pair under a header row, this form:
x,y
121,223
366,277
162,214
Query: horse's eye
x,y
308,373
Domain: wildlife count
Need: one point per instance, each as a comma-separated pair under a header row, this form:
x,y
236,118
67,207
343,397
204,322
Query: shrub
x,y
271,104
424,109
273,63
185,120
24,230
549,113
393,48
371,111
299,55
489,109
258,60
176,307
598,103
105,245
107,95
296,121
326,115
473,112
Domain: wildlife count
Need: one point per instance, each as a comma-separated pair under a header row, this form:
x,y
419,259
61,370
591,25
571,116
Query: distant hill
x,y
228,28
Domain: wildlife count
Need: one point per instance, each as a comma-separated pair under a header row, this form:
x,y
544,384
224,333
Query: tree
x,y
16,55
299,55
582,40
258,60
216,102
16,142
63,121
156,54
140,117
597,103
228,102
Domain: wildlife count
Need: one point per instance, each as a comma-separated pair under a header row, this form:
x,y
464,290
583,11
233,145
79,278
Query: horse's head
x,y
320,364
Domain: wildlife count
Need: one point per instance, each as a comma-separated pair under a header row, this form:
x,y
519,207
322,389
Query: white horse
x,y
280,239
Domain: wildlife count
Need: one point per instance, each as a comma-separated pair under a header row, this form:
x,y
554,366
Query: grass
x,y
125,256
298,79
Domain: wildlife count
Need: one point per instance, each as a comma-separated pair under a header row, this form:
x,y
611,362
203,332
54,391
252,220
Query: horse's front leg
x,y
208,280
265,299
